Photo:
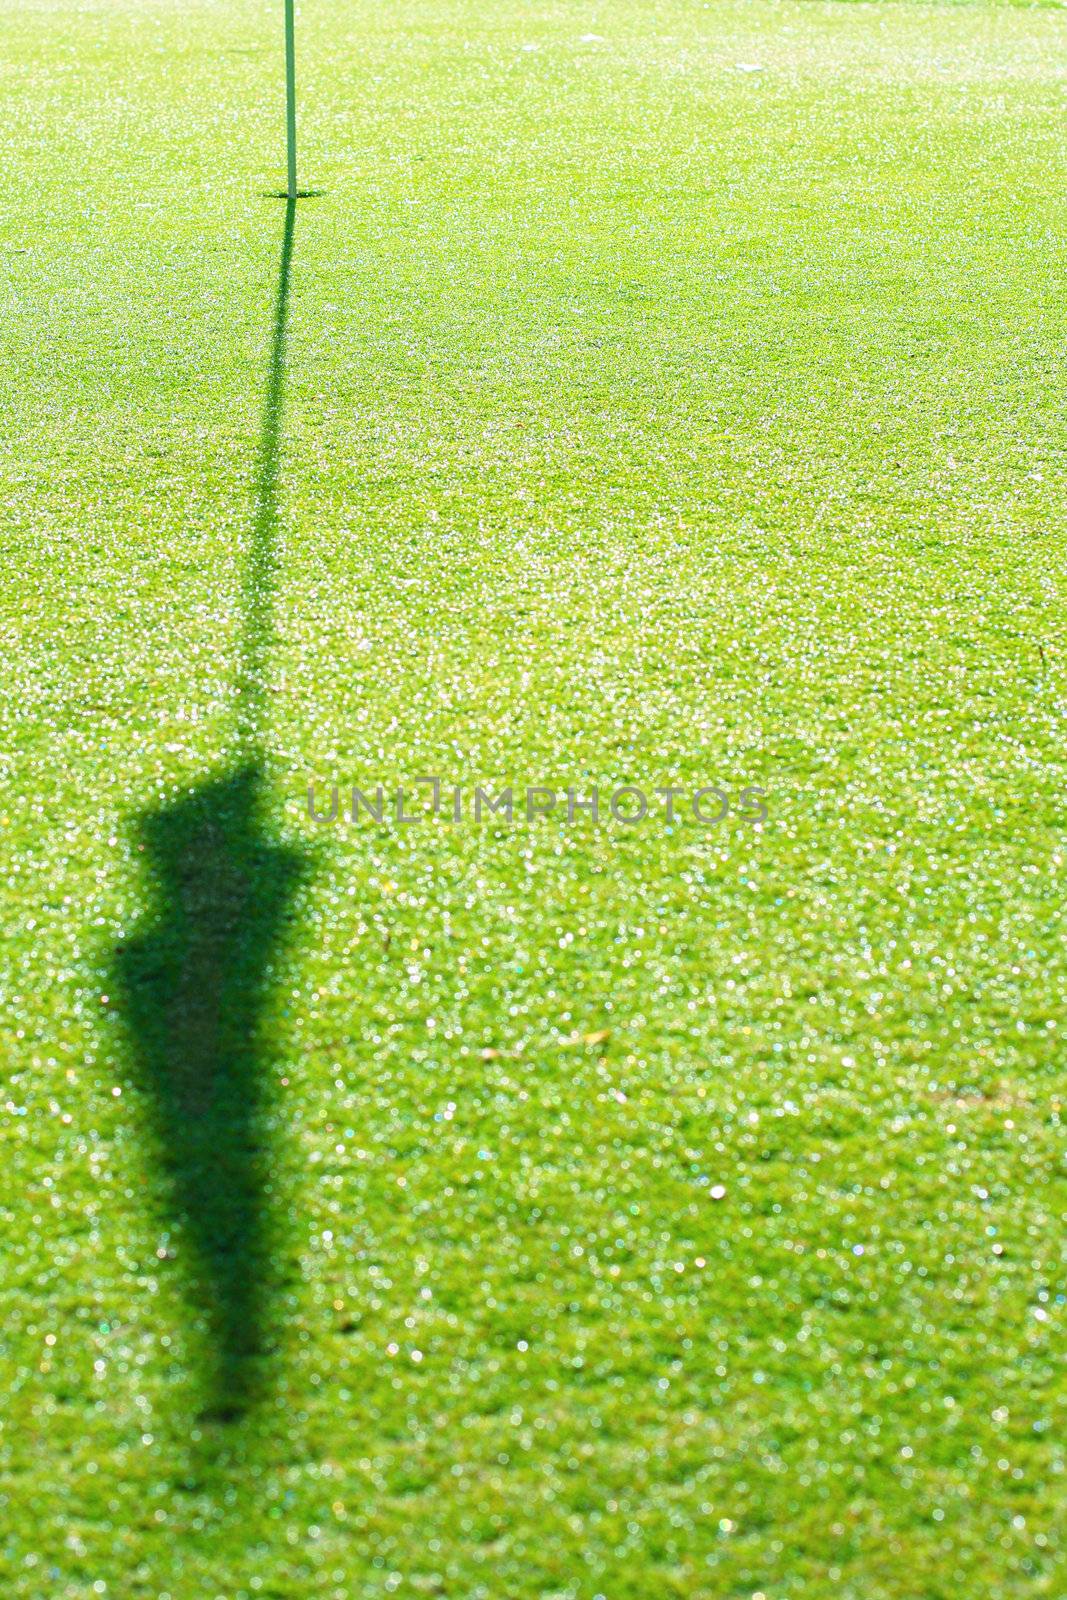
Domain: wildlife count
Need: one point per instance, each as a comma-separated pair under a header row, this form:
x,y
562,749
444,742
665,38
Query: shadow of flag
x,y
193,986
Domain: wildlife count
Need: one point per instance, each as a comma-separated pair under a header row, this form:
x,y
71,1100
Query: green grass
x,y
641,420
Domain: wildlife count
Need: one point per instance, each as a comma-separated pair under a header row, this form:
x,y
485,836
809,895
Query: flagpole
x,y
290,96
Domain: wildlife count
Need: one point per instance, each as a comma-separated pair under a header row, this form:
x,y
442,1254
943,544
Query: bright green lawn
x,y
648,421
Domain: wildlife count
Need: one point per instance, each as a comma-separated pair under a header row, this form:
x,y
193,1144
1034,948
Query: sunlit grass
x,y
673,396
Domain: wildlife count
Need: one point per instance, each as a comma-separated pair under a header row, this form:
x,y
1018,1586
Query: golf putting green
x,y
650,396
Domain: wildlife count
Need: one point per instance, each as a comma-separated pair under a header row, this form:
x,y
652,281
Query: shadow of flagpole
x,y
193,982
257,611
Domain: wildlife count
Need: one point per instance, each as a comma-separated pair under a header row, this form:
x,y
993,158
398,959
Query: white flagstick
x,y
290,96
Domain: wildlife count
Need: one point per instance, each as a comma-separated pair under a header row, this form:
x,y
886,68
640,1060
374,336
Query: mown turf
x,y
558,1209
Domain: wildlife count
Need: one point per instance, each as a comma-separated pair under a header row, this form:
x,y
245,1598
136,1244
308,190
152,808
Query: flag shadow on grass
x,y
194,982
